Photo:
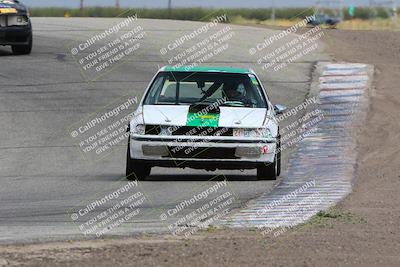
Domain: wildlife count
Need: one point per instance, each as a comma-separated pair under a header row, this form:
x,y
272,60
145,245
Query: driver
x,y
232,93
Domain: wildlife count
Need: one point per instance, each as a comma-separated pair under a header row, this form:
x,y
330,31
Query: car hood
x,y
178,115
21,9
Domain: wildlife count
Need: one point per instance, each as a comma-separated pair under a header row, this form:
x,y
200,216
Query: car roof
x,y
207,69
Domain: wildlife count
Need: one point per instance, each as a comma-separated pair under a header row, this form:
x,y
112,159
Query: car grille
x,y
191,131
153,129
201,153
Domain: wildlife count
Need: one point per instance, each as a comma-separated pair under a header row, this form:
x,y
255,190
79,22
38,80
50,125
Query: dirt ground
x,y
363,230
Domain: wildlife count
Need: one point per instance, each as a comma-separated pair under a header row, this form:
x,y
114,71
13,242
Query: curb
x,y
322,170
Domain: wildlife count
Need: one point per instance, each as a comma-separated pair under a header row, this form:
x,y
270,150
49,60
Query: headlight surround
x,y
252,133
18,20
139,129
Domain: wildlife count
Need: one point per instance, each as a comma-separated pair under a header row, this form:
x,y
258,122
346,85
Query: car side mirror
x,y
279,109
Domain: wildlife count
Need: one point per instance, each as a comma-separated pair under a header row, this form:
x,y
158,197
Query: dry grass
x,y
376,24
354,24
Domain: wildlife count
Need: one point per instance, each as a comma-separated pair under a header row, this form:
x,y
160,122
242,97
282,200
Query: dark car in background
x,y
323,19
15,27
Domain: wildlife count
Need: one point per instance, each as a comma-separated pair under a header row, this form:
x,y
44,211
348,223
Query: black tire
x,y
269,171
135,170
279,156
23,49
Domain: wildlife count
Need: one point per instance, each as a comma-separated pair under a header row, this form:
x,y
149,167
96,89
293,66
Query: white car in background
x,y
205,118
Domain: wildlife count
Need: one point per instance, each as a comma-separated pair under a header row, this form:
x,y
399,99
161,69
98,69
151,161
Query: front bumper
x,y
15,35
205,153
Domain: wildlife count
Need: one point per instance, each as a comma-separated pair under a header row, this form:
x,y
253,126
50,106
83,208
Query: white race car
x,y
205,118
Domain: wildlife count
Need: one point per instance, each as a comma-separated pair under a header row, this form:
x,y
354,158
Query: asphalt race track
x,y
42,176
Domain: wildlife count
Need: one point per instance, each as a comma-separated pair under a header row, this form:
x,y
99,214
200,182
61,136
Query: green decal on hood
x,y
202,120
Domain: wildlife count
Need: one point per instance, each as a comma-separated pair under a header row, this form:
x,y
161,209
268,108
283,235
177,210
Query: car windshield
x,y
183,88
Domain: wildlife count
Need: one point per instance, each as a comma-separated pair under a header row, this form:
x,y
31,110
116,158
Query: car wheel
x,y
135,170
278,158
23,49
268,171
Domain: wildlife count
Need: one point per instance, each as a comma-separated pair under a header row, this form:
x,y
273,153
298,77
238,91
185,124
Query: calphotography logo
x,y
200,209
194,34
199,46
199,133
104,51
98,134
108,213
276,56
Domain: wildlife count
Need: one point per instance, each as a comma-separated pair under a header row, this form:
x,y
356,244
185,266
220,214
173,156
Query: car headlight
x,y
18,20
139,129
255,133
